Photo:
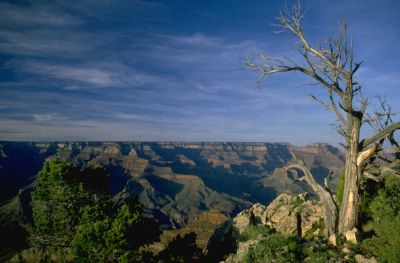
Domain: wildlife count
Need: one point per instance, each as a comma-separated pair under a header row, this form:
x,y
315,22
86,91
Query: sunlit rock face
x,y
178,181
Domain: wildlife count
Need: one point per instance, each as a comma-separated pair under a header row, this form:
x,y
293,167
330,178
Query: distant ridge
x,y
176,181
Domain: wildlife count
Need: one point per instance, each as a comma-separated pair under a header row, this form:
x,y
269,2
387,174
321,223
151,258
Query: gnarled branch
x,y
380,135
328,204
365,155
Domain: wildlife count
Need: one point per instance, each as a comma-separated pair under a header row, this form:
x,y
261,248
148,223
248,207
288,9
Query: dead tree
x,y
331,64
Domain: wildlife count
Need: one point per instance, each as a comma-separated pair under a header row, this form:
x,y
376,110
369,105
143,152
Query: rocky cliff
x,y
177,181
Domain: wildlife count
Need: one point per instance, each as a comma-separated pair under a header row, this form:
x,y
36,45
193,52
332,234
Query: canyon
x,y
177,181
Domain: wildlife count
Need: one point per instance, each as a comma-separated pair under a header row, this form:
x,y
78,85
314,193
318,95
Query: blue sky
x,y
173,70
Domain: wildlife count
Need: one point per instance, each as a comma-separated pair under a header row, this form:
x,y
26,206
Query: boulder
x,y
351,235
258,214
311,216
241,221
358,258
255,215
289,214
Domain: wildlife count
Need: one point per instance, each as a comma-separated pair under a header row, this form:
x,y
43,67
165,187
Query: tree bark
x,y
349,209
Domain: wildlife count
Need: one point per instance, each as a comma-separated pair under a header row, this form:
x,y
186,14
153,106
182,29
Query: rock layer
x,y
176,181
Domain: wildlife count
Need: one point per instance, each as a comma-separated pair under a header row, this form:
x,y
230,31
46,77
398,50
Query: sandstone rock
x,y
283,219
361,259
351,235
255,215
258,214
285,212
241,221
278,209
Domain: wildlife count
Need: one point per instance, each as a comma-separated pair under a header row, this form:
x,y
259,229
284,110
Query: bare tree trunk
x,y
325,197
349,209
333,67
330,215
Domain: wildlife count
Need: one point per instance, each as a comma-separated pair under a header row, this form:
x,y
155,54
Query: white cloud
x,y
88,75
47,117
83,76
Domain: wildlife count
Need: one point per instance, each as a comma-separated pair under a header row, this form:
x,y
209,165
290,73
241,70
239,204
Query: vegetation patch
x,y
253,232
385,218
276,247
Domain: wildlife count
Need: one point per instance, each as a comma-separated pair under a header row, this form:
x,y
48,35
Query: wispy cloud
x,y
86,75
146,70
80,76
34,14
42,43
47,117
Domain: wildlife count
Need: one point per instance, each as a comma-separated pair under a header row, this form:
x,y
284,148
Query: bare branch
x,y
326,105
363,157
308,176
336,110
328,203
380,135
356,67
291,20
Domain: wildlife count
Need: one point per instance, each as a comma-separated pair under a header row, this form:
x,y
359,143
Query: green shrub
x,y
253,231
385,213
276,247
318,250
322,256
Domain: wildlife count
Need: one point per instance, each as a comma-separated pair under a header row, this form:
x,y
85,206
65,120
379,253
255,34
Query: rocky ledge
x,y
287,214
294,217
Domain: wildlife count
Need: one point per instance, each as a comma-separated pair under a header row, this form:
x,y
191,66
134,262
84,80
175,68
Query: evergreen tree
x,y
75,218
61,191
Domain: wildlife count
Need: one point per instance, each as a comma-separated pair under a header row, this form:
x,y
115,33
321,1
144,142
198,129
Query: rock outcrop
x,y
287,214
